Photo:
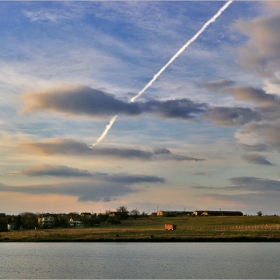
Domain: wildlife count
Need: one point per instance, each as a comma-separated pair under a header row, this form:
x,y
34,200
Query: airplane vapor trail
x,y
107,128
224,7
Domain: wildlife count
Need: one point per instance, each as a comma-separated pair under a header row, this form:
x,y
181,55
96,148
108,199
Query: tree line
x,y
29,220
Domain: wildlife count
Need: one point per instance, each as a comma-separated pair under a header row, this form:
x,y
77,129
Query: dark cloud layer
x,y
85,191
257,159
75,148
65,171
82,100
87,186
57,171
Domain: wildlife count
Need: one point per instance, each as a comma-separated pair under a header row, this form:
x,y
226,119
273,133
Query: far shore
x,y
151,229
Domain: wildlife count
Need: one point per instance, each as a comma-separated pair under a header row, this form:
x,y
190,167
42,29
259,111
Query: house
x,y
11,226
116,214
3,222
216,213
75,221
153,214
45,221
86,215
162,213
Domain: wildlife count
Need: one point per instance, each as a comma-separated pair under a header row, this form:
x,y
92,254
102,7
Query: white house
x,y
46,221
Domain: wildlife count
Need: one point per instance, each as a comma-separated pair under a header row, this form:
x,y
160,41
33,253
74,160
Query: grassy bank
x,y
151,229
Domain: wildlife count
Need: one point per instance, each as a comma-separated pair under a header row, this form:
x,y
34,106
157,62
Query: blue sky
x,y
204,135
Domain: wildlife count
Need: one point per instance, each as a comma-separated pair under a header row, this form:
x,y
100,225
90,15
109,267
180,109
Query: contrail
x,y
107,128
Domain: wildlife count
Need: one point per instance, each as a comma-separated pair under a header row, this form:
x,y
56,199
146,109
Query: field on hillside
x,y
189,228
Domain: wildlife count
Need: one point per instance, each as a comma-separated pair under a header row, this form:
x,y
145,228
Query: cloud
x,y
254,95
87,186
263,134
255,184
217,86
65,171
257,159
85,191
180,108
231,116
74,148
131,179
55,170
259,147
81,100
48,15
203,188
75,100
261,52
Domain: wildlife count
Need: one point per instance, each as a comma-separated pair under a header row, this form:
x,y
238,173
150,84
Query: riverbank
x,y
151,229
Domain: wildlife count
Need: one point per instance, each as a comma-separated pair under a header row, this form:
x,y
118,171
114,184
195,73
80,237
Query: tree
x,y
28,220
18,222
123,211
144,214
135,213
259,213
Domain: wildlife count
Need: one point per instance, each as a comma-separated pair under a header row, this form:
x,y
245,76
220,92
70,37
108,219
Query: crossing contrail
x,y
113,119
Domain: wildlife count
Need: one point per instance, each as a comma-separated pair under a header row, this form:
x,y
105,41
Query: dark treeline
x,y
29,220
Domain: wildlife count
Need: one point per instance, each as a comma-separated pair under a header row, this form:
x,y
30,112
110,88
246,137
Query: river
x,y
140,260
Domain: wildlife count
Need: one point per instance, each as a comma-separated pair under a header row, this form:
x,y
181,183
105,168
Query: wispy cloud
x,y
65,171
85,191
51,15
74,148
87,186
257,159
232,116
219,85
255,184
259,147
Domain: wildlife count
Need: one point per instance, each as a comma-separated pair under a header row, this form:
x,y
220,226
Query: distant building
x,y
153,214
216,213
45,221
173,213
86,215
11,226
117,214
75,221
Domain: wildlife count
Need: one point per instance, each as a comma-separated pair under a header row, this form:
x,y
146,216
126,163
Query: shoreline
x,y
239,239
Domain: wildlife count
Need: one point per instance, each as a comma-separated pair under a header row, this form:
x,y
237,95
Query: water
x,y
140,260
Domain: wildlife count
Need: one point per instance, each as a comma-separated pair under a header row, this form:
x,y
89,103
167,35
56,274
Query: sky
x,y
204,136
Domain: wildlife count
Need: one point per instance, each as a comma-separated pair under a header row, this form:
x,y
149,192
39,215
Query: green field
x,y
189,228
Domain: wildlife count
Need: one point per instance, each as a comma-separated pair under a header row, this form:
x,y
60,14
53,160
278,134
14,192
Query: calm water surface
x,y
140,260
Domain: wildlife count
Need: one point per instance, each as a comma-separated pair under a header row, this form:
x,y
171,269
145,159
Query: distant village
x,y
29,220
